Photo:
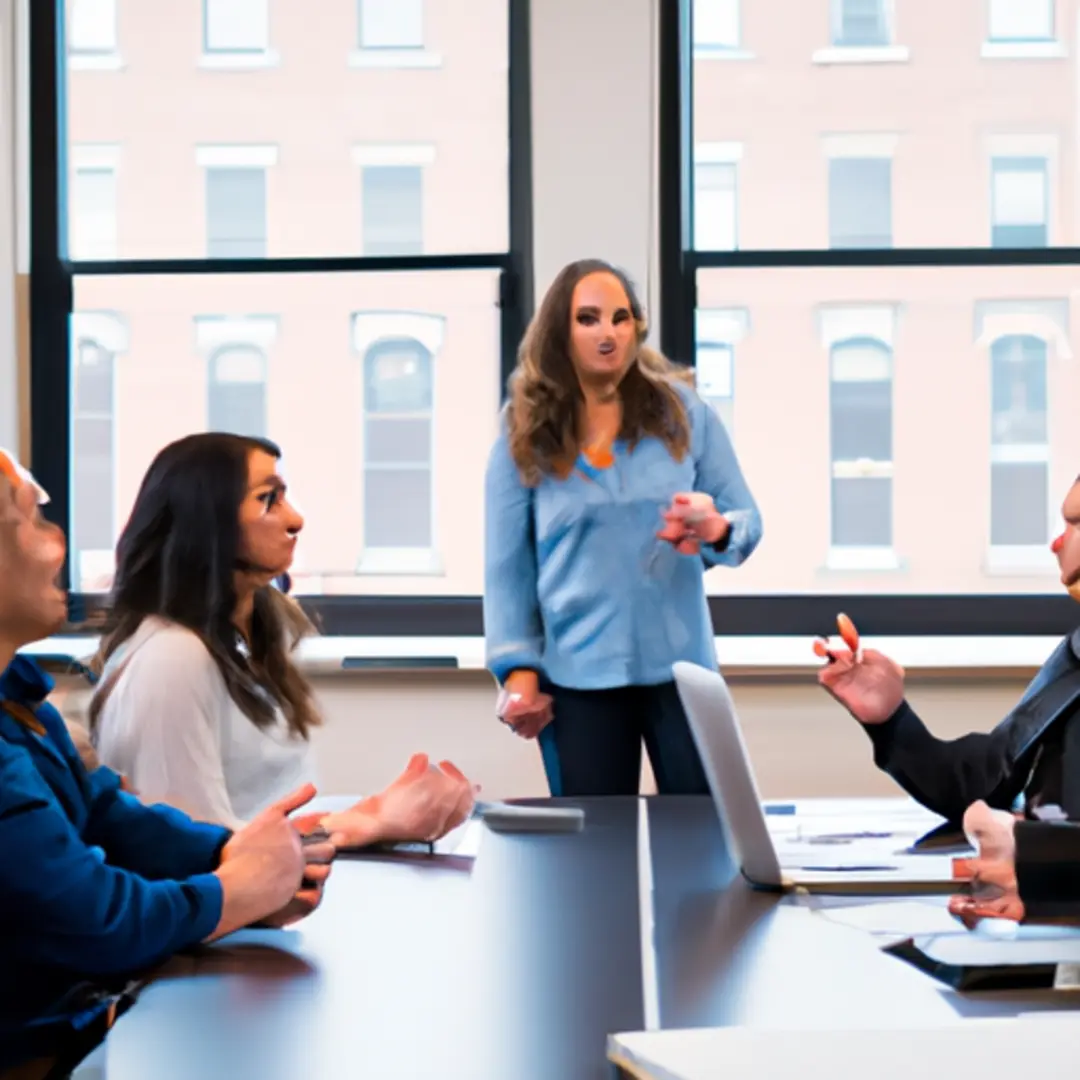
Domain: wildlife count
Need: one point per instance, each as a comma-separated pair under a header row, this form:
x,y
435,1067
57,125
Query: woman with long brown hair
x,y
610,491
201,704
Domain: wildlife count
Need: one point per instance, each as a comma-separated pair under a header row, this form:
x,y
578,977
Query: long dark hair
x,y
542,414
177,558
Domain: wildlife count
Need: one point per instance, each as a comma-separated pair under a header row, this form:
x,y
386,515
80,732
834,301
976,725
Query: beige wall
x,y
801,743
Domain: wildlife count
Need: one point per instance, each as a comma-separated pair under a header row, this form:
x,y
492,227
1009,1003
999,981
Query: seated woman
x,y
200,704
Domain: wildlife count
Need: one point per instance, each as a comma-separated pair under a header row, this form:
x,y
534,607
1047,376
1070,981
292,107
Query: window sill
x,y
862,54
717,52
346,655
856,559
394,58
1024,50
95,62
401,562
1020,561
239,61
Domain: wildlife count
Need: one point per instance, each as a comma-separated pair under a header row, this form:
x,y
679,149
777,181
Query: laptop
x,y
881,862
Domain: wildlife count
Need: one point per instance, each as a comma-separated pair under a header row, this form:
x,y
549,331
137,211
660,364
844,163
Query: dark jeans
x,y
593,745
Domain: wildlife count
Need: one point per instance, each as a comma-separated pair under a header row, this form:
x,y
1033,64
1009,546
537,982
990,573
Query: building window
x,y
391,24
93,465
92,212
714,370
91,30
861,423
237,391
398,446
716,206
1019,443
393,210
860,202
236,26
861,23
716,25
1019,197
1021,20
236,212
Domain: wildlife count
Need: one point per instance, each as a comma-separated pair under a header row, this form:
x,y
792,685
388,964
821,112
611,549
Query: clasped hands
x,y
691,520
292,854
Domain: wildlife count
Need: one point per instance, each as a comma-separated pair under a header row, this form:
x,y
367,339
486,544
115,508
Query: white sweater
x,y
170,726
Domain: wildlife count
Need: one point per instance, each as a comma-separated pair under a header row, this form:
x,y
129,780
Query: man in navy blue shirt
x,y
95,886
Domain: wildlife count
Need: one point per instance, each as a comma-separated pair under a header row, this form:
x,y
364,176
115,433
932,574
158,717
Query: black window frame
x,y
898,614
52,276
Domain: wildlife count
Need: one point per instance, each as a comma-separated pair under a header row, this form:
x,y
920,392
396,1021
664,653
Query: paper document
x,y
463,842
898,918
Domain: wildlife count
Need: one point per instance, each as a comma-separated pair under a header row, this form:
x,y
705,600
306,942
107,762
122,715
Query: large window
x,y
313,247
879,198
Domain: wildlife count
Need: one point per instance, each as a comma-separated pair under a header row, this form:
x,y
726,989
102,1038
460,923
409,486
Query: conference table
x,y
518,965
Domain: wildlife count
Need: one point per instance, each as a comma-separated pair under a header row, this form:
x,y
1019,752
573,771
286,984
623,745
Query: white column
x,y
594,107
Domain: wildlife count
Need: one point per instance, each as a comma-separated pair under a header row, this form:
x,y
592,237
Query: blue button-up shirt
x,y
577,584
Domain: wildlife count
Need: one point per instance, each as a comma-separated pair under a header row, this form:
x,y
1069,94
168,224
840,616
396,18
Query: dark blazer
x,y
1048,869
93,884
948,776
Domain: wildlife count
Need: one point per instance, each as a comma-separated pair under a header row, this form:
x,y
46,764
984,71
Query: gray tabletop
x,y
519,965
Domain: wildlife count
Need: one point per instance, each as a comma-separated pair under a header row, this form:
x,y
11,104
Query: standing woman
x,y
610,491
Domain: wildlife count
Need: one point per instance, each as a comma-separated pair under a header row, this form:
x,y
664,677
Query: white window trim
x,y
1007,318
371,327
718,153
373,154
239,61
214,332
1024,50
838,323
236,157
402,562
860,145
94,156
718,52
861,558
106,328
862,54
404,58
722,326
110,61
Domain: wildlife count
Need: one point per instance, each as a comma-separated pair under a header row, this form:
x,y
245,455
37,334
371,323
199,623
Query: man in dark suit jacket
x,y
1033,755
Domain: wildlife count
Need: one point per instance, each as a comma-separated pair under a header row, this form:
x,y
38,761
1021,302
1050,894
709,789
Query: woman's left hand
x,y
691,520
